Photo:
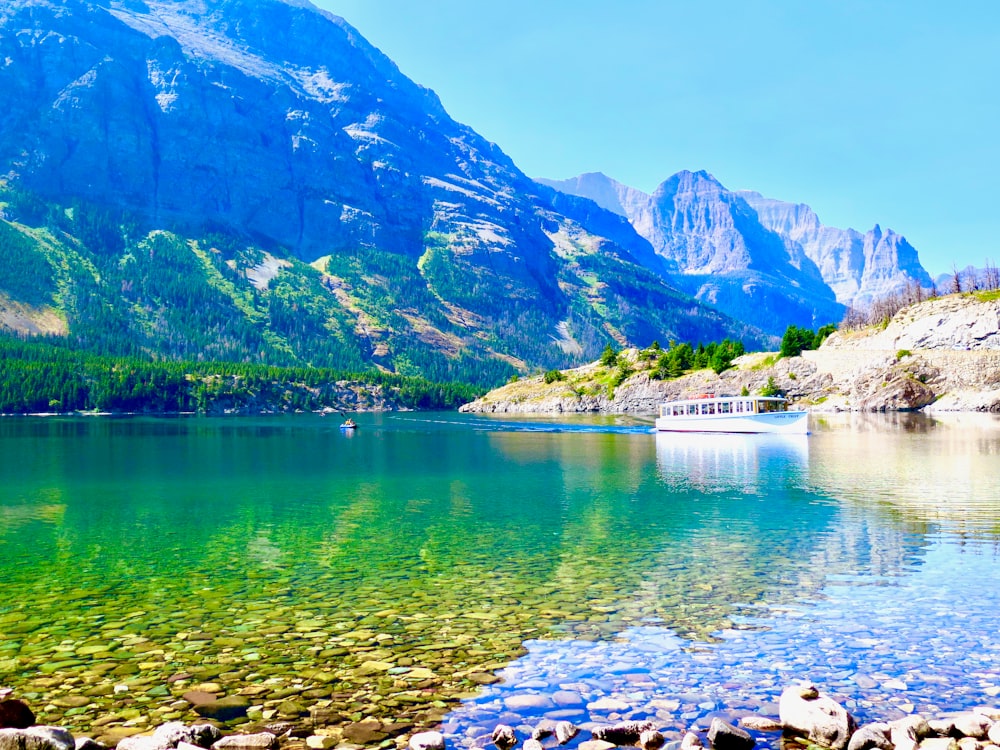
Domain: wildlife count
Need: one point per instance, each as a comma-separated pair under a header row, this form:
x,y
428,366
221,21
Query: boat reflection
x,y
728,462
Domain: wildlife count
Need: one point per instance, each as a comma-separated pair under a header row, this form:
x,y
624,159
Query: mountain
x,y
749,243
860,268
715,247
252,180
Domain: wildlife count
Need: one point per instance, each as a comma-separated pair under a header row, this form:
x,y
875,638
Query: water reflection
x,y
933,474
728,463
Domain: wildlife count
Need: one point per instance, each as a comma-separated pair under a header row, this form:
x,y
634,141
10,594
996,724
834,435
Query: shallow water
x,y
599,571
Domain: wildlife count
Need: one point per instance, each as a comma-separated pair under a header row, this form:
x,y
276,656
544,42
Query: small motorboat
x,y
349,424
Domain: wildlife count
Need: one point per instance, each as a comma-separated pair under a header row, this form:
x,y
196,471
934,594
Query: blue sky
x,y
870,112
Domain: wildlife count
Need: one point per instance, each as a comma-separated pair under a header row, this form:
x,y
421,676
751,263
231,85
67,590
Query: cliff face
x,y
940,355
268,117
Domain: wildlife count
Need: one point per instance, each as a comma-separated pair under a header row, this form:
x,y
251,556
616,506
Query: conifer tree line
x,y
40,377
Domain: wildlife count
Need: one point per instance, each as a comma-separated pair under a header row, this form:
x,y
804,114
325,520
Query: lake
x,y
454,571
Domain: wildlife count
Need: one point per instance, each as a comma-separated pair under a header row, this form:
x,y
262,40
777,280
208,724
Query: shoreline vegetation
x,y
44,378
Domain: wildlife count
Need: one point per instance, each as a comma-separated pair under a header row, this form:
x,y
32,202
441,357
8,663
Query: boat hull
x,y
781,422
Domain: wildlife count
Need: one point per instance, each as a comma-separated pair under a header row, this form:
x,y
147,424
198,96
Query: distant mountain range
x,y
730,247
252,180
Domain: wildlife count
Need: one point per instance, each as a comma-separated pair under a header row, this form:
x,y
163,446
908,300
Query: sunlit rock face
x,y
271,117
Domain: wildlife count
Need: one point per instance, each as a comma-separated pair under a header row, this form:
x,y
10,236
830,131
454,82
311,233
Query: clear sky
x,y
870,112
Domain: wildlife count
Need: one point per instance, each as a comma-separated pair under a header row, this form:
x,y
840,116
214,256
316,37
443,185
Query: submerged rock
x,y
761,724
224,709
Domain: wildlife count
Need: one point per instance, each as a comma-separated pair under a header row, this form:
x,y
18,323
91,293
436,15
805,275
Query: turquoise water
x,y
443,569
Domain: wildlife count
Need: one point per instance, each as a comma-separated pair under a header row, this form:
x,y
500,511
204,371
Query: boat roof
x,y
712,397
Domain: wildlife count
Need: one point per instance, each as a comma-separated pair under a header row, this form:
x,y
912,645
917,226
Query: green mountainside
x,y
251,181
114,287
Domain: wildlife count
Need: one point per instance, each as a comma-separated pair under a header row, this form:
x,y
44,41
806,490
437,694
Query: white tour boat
x,y
710,413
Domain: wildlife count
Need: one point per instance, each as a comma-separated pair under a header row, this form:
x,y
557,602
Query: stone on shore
x,y
15,714
504,737
994,734
622,733
939,743
565,731
427,741
724,736
36,738
906,733
651,739
874,736
973,725
806,712
172,735
544,728
258,741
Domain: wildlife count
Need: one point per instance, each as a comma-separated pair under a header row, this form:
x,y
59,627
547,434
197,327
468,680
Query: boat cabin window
x,y
692,408
725,407
767,406
678,411
708,408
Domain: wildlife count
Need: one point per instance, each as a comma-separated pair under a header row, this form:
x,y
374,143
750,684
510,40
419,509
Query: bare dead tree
x,y
991,277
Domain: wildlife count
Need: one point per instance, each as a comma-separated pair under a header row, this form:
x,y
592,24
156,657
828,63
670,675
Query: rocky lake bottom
x,y
458,572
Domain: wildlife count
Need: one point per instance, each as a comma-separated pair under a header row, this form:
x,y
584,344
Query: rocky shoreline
x,y
806,718
939,355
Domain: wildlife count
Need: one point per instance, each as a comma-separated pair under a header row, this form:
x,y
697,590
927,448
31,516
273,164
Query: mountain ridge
x,y
739,229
